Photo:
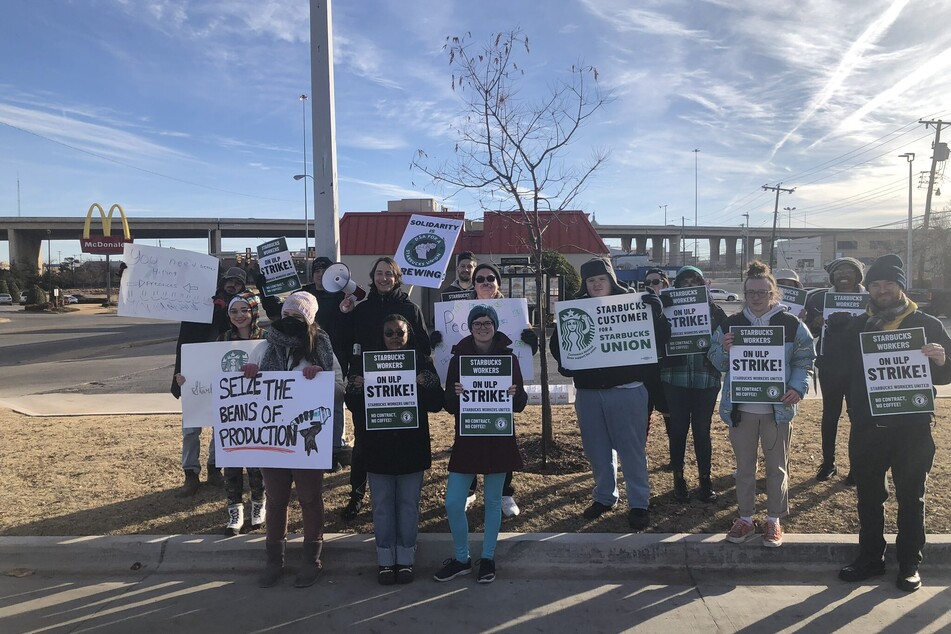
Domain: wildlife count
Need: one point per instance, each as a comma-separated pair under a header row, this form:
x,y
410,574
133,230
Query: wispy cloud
x,y
389,190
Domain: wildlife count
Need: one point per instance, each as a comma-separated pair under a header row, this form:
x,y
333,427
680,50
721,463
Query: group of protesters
x,y
316,330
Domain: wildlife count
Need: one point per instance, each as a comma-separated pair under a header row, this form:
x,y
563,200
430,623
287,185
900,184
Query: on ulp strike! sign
x,y
897,372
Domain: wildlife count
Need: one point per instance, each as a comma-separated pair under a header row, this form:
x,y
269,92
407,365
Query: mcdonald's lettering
x,y
107,244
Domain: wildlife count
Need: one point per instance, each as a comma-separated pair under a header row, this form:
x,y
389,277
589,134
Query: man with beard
x,y
465,265
233,282
902,442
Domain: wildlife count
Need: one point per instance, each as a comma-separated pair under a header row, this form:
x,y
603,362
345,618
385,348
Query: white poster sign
x,y
202,365
689,317
276,419
485,407
277,267
795,298
452,321
426,249
757,364
605,332
167,284
897,372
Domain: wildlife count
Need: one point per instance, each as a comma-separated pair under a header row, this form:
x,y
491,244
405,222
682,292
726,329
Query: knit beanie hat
x,y
303,303
689,270
599,266
786,274
251,300
491,268
889,268
237,273
836,263
481,310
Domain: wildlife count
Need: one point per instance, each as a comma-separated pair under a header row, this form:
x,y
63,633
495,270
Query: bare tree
x,y
512,149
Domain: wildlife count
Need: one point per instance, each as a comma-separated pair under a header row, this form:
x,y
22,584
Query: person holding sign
x,y
762,423
490,448
295,342
397,454
612,406
691,385
880,439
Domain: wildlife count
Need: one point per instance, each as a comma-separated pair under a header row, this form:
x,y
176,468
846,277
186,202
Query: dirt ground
x,y
117,475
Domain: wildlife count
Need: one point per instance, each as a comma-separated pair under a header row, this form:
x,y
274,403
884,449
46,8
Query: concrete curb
x,y
600,555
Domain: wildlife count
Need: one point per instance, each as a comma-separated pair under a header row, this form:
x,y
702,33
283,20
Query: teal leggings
x,y
457,490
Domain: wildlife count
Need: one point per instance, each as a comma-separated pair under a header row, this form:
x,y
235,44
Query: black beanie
x,y
889,268
492,269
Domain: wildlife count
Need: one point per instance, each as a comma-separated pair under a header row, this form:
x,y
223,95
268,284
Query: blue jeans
x,y
395,501
191,449
613,424
457,489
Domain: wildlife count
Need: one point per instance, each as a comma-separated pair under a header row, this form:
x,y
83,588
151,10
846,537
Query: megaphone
x,y
337,278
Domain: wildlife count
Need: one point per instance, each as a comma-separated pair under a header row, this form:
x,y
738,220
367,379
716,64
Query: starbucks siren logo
x,y
425,249
577,331
702,343
772,391
407,416
233,360
501,424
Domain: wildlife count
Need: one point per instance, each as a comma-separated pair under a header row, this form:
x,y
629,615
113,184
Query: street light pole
x,y
696,182
49,260
789,211
665,213
910,157
745,239
303,115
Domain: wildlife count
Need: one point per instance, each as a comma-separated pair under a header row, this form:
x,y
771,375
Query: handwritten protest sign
x,y
897,373
757,364
689,317
389,389
426,249
202,365
485,407
851,303
276,419
795,298
452,321
167,284
605,332
277,267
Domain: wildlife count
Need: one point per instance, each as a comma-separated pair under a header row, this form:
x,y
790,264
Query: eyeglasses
x,y
757,294
239,311
485,279
394,333
656,282
483,324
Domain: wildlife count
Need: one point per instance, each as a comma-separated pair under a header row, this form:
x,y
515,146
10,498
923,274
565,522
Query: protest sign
x,y
793,297
389,389
605,332
897,372
452,321
851,303
202,365
277,267
276,419
485,407
167,284
426,249
689,317
757,364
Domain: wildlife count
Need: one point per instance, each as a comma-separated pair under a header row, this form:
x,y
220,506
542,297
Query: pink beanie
x,y
301,302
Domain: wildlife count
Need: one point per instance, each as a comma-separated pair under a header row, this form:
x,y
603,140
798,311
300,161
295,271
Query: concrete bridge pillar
x,y
214,241
26,249
658,254
730,244
641,242
714,251
626,244
674,250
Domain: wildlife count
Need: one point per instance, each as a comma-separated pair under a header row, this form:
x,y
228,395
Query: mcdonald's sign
x,y
107,244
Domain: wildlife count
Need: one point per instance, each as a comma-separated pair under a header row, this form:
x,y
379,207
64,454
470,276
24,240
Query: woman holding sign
x,y
763,416
485,435
295,342
397,455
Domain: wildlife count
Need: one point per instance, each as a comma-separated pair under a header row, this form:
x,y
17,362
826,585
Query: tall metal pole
x,y
303,118
665,213
909,263
324,130
772,240
696,182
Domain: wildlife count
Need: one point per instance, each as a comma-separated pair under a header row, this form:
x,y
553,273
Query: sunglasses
x,y
485,279
656,282
394,333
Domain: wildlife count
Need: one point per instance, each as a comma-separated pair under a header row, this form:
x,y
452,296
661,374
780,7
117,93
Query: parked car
x,y
70,299
23,297
6,299
722,295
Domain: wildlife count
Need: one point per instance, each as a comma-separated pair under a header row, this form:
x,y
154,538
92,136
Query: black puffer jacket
x,y
364,325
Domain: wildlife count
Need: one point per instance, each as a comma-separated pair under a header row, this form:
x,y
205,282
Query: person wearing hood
x,y
691,384
845,276
766,424
361,329
612,408
901,442
492,456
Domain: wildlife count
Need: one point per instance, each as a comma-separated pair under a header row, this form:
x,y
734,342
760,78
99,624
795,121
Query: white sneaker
x,y
509,507
235,519
258,513
470,500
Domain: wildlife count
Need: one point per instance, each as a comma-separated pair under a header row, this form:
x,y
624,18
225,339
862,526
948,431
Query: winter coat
x,y
363,326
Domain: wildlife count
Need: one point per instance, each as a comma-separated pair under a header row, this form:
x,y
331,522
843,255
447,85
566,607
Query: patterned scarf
x,y
889,318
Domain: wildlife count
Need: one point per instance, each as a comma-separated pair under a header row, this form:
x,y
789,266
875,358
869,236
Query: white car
x,y
722,295
6,299
71,299
23,297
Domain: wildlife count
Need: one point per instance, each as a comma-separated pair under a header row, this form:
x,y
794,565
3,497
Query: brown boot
x,y
190,487
310,566
275,564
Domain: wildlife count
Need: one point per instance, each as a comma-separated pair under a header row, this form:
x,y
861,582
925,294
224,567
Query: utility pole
x,y
939,152
772,240
909,260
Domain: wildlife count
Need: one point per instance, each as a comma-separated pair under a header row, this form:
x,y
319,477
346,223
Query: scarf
x,y
764,319
889,318
280,348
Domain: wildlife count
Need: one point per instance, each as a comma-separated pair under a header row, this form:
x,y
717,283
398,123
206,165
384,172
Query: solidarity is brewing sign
x,y
602,332
275,419
485,407
689,317
389,388
757,364
897,373
426,249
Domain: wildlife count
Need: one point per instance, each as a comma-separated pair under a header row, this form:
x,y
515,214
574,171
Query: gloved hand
x,y
838,321
435,338
657,307
530,337
220,303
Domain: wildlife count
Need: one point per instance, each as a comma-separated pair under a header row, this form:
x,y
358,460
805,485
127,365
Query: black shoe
x,y
343,456
667,467
452,568
596,510
353,509
850,480
908,579
638,519
681,494
404,574
190,486
862,569
486,571
706,493
387,576
826,471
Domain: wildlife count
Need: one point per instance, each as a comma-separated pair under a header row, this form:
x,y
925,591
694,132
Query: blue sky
x,y
191,108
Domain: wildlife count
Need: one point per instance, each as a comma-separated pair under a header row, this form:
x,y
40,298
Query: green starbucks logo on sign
x,y
772,391
424,250
577,331
233,360
920,400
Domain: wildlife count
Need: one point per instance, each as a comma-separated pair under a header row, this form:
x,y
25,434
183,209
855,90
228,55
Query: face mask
x,y
290,326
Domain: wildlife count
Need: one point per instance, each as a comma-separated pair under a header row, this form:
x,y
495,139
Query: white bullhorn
x,y
337,278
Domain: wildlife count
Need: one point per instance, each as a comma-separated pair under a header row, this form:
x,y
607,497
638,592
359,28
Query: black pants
x,y
909,452
690,407
835,386
234,484
507,488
